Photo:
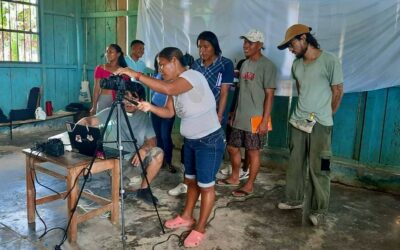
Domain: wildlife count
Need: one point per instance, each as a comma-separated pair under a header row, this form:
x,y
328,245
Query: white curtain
x,y
364,34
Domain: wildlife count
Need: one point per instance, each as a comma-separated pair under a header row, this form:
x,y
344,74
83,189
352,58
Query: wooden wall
x,y
59,72
105,22
76,32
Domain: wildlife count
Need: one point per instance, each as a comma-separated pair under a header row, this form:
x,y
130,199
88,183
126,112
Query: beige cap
x,y
254,36
292,32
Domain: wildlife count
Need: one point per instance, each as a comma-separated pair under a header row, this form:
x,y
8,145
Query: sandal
x,y
178,222
194,239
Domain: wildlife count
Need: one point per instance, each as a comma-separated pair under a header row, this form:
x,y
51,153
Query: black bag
x,y
54,147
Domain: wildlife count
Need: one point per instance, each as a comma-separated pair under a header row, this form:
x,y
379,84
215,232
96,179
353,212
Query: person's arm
x,y
222,101
91,121
96,94
168,111
337,94
173,88
268,101
143,150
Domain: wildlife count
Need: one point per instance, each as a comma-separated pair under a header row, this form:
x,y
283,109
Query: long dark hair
x,y
170,52
309,39
212,39
121,59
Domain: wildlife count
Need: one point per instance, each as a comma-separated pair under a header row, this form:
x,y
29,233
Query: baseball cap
x,y
254,36
292,32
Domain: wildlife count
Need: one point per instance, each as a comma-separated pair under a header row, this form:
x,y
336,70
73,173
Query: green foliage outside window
x,y
19,31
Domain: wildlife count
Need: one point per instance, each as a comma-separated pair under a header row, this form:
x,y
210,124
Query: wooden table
x,y
72,164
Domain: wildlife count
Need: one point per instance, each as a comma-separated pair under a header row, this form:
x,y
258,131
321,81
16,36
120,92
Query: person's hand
x,y
126,71
220,117
135,160
230,118
92,111
144,106
263,128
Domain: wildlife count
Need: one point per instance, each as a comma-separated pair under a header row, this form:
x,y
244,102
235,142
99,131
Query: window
x,y
19,27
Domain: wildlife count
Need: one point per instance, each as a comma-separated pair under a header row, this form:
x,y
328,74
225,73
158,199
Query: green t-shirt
x,y
315,80
141,125
255,77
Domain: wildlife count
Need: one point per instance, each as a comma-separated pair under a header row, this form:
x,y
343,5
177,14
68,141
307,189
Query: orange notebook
x,y
256,121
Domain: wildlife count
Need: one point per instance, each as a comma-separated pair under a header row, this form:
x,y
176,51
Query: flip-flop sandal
x,y
193,239
241,193
178,222
225,183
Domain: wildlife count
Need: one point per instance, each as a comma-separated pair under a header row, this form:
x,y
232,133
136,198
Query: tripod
x,y
118,103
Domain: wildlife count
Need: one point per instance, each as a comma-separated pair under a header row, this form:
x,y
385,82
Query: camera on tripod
x,y
114,82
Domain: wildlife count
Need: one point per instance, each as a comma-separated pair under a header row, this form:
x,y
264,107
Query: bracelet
x,y
138,76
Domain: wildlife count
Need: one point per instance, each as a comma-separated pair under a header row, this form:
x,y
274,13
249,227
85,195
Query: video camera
x,y
114,82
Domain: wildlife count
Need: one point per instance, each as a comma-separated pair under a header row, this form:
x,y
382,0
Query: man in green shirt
x,y
257,83
319,81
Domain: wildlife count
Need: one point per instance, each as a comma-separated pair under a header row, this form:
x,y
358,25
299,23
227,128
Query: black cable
x,y
184,234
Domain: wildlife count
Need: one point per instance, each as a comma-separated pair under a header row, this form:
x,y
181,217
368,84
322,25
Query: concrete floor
x,y
358,219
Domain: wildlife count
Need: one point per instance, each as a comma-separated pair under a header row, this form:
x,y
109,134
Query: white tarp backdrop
x,y
364,34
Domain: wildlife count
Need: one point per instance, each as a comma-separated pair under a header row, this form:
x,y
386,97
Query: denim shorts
x,y
203,157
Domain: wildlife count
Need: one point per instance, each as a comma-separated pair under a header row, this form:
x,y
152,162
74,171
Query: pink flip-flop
x,y
194,239
178,222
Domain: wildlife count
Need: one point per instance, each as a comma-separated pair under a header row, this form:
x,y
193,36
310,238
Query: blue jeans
x,y
203,157
163,128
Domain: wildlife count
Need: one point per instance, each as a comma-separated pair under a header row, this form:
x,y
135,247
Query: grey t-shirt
x,y
315,80
141,125
255,77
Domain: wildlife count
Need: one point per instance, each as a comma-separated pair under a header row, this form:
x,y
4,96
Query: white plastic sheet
x,y
364,34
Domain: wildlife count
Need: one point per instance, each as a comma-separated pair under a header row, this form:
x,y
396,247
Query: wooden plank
x,y
72,50
48,39
90,44
61,89
390,151
100,5
49,198
74,77
97,199
60,40
100,40
60,6
277,138
111,5
373,127
121,27
19,90
50,85
345,126
48,5
5,90
93,213
111,31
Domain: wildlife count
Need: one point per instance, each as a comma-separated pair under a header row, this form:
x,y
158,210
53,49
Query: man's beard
x,y
301,54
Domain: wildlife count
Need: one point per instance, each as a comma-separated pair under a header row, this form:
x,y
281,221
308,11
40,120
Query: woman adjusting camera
x,y
190,97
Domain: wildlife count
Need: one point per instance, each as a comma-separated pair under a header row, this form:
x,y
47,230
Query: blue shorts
x,y
203,157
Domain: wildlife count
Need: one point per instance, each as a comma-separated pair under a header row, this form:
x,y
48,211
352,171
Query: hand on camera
x,y
144,106
125,71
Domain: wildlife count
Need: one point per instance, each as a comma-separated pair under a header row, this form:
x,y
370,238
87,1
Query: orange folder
x,y
256,121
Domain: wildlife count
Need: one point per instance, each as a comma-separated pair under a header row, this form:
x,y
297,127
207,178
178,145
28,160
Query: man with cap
x,y
319,81
257,83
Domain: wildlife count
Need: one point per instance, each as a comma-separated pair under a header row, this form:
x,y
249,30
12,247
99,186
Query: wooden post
x,y
30,192
122,28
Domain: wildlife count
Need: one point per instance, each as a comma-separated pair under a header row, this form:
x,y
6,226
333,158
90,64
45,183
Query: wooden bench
x,y
16,124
